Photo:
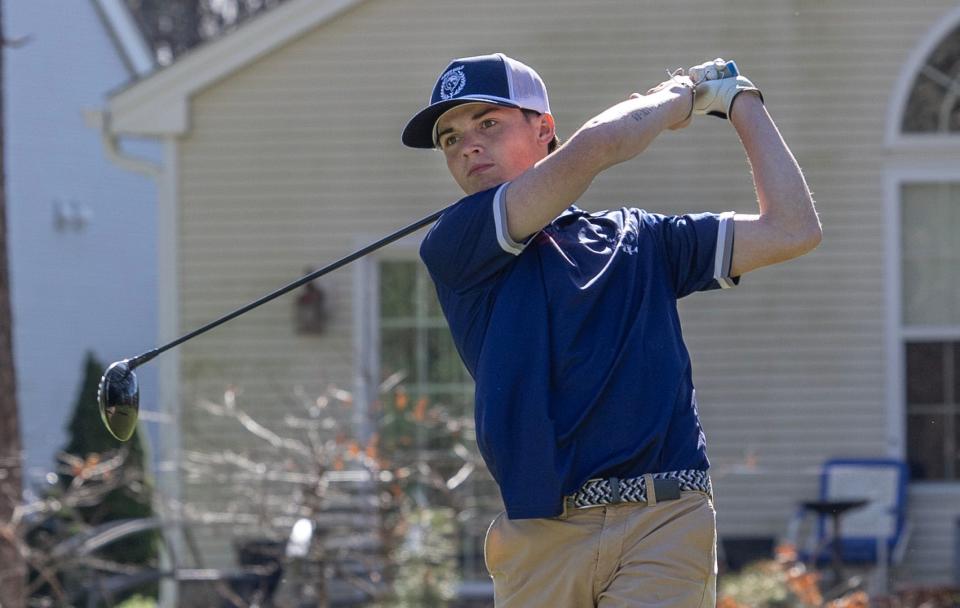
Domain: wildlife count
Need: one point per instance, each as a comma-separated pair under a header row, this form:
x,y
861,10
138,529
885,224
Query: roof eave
x,y
158,105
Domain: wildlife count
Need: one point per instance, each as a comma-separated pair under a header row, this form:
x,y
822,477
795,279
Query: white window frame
x,y
895,141
905,172
366,322
911,158
366,326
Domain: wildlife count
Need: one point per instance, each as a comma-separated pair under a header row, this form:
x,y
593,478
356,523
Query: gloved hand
x,y
716,85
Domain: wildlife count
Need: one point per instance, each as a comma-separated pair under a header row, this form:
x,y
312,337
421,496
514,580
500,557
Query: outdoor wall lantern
x,y
71,215
310,308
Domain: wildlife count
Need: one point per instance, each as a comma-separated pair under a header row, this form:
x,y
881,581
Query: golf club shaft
x,y
147,356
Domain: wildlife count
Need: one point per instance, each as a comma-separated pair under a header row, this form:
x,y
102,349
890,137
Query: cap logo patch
x,y
452,83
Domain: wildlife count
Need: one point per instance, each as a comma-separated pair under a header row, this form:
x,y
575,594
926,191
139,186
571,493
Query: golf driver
x,y
119,391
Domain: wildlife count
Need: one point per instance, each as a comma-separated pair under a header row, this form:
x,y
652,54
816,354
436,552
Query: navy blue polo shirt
x,y
574,341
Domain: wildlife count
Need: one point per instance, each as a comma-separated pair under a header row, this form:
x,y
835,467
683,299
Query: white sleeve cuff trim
x,y
723,260
500,221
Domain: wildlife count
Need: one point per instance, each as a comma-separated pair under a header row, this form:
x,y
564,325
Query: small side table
x,y
835,509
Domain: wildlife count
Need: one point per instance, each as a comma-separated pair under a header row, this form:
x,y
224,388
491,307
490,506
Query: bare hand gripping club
x,y
119,392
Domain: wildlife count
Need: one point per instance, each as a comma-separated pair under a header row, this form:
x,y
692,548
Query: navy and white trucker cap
x,y
495,79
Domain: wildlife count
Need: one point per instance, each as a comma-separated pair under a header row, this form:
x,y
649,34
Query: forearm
x,y
618,134
784,199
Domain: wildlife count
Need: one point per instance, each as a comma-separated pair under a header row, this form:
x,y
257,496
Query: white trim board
x,y
159,105
169,364
366,360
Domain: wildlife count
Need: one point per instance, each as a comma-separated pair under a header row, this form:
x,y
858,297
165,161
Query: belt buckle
x,y
666,488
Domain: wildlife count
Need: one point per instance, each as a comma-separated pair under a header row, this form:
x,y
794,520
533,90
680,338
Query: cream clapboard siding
x,y
934,533
294,159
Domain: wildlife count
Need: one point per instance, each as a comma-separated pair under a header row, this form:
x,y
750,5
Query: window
x,y
930,220
928,216
930,270
933,409
934,104
432,406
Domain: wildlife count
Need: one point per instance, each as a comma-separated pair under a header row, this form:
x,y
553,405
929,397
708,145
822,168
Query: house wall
x,y
75,287
296,158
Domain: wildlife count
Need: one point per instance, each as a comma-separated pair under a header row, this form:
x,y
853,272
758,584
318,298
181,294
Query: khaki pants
x,y
663,555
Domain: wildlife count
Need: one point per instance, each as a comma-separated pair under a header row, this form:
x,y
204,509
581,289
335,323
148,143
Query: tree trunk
x,y
12,567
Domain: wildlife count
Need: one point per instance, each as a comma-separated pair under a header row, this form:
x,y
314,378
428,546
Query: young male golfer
x,y
567,320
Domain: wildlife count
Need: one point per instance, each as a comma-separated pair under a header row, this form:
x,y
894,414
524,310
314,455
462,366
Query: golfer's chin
x,y
480,182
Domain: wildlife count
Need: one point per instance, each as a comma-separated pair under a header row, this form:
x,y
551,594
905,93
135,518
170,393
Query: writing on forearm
x,y
638,115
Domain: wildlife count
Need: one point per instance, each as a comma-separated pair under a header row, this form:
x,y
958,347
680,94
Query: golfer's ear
x,y
548,129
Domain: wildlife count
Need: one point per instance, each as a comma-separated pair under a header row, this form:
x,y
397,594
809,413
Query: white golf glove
x,y
716,84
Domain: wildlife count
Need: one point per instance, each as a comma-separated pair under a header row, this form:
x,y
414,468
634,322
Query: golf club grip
x,y
147,356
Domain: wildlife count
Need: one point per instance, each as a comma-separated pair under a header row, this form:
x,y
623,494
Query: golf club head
x,y
119,399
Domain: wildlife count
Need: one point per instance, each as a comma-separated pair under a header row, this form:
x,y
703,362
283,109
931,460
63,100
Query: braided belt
x,y
667,486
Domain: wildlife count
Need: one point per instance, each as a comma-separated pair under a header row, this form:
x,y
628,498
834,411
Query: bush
x,y
138,601
88,441
98,480
786,583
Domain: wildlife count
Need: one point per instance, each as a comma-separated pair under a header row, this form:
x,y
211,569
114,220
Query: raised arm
x,y
618,134
787,225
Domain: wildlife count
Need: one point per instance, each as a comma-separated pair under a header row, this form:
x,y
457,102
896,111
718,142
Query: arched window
x,y
934,102
925,191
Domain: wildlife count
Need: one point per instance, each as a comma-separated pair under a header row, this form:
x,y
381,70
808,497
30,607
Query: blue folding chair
x,y
872,535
